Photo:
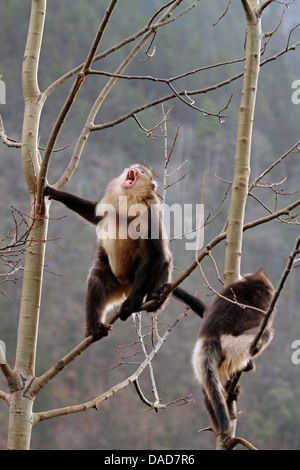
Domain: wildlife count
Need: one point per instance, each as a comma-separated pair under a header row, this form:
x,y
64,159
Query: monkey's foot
x,y
129,306
233,396
125,312
158,294
99,330
163,291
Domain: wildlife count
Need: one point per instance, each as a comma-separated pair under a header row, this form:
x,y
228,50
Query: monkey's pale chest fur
x,y
122,233
121,256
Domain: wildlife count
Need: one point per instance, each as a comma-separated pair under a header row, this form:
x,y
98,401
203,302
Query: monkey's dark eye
x,y
142,171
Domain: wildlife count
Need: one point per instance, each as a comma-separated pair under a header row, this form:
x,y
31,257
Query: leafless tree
x,y
28,236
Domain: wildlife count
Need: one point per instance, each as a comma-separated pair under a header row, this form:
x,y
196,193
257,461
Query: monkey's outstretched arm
x,y
83,207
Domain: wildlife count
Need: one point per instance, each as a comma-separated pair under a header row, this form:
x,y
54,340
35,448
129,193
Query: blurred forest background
x,y
270,399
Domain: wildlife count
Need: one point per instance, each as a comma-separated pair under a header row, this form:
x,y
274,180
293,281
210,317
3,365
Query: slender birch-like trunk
x,y
243,144
20,410
240,185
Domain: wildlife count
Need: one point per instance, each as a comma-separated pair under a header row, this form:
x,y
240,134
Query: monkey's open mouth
x,y
130,178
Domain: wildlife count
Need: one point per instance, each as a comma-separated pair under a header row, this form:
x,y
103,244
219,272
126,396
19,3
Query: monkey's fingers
x,y
99,331
49,192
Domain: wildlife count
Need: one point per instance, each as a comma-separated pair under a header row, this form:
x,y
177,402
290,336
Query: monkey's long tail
x,y
210,357
190,300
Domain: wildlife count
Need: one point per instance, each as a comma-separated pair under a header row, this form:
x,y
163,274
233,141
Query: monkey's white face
x,y
136,183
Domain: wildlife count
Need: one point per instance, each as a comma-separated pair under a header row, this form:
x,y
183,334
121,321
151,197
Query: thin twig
x,y
7,140
277,293
290,35
97,127
166,80
139,333
81,141
4,396
148,28
277,162
271,33
155,406
235,441
222,16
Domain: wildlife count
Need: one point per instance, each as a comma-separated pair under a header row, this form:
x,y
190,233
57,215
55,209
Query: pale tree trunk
x,y
20,410
240,184
243,144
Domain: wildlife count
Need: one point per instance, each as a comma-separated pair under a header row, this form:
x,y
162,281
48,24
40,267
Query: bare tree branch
x,y
10,375
155,406
264,5
274,300
225,12
248,10
148,28
235,441
256,181
4,396
96,402
102,96
96,127
205,252
7,140
40,382
138,327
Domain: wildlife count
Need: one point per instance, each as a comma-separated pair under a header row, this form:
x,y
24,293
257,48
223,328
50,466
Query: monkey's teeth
x,y
130,178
